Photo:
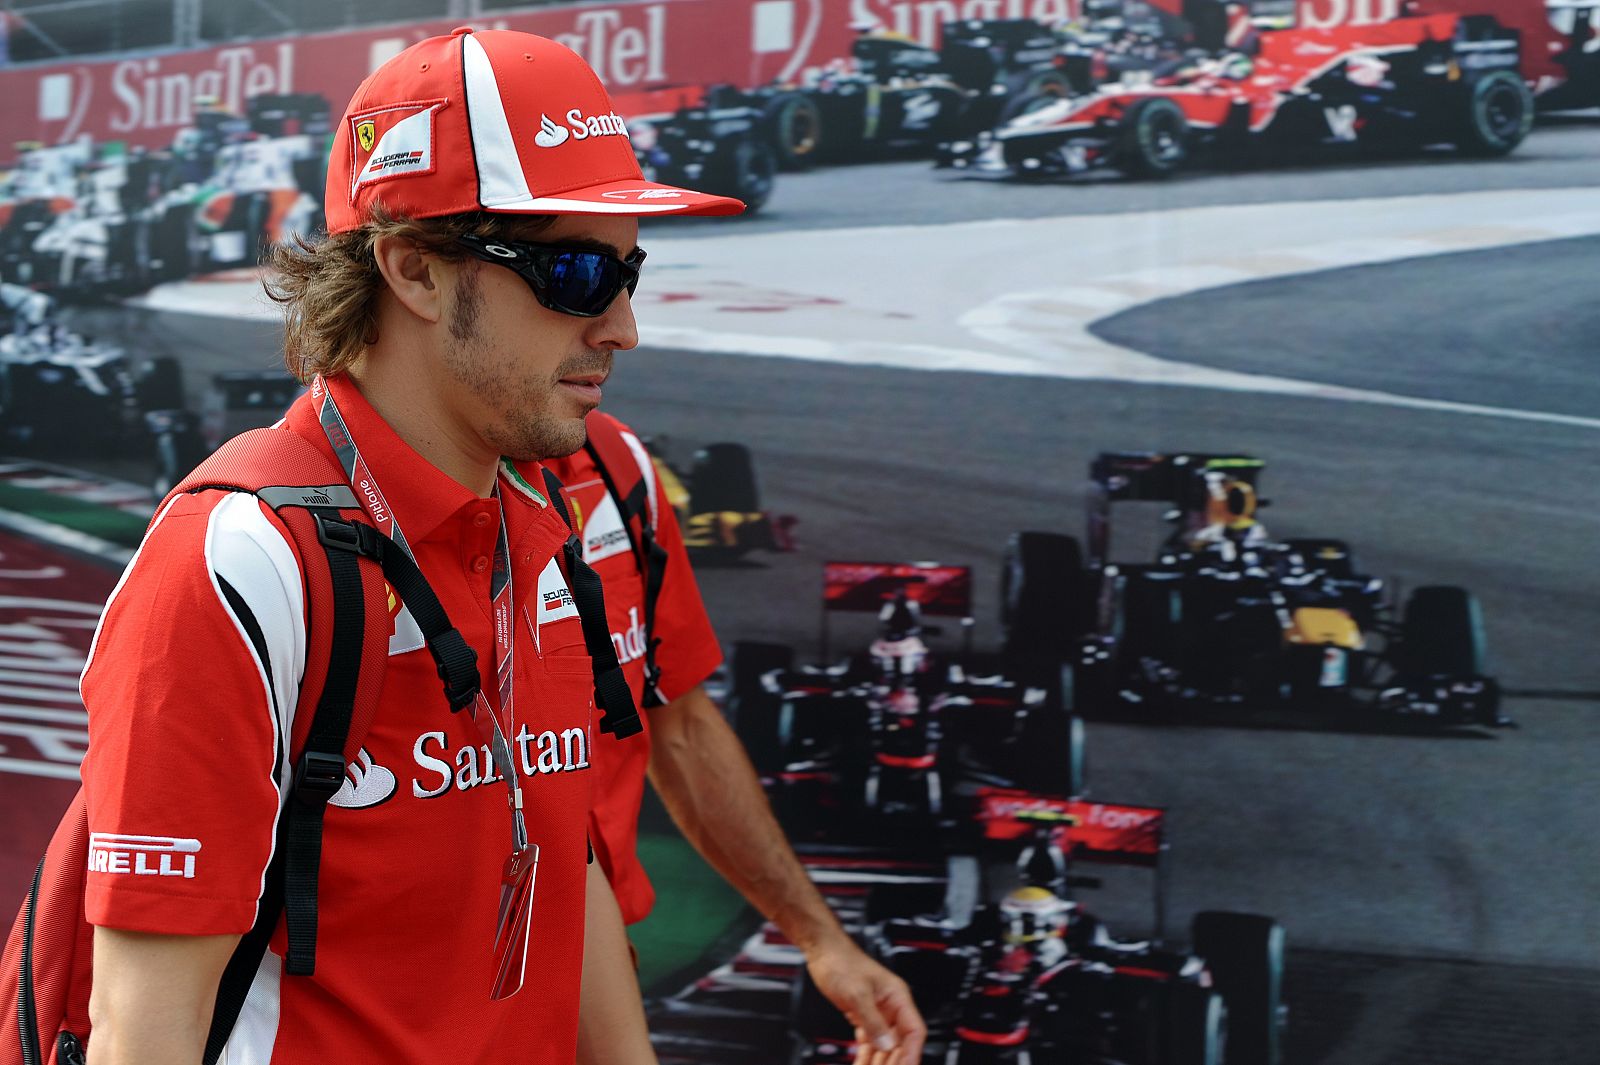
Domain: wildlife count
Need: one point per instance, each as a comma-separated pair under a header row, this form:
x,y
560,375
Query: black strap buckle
x,y
457,664
459,696
318,776
354,536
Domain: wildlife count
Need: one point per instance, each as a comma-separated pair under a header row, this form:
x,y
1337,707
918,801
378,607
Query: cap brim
x,y
629,196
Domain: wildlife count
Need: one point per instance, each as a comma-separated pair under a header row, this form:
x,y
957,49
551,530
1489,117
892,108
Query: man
x,y
693,758
482,202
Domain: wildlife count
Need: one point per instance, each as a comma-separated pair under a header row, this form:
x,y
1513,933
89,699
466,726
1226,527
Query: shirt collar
x,y
422,496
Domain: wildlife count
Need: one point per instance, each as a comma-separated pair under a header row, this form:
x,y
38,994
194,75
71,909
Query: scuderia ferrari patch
x,y
392,142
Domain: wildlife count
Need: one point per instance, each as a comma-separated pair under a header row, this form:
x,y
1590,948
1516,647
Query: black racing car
x,y
1027,974
895,92
712,140
63,393
1226,614
895,741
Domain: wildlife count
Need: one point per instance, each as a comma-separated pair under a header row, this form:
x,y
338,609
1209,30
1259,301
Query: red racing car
x,y
1408,82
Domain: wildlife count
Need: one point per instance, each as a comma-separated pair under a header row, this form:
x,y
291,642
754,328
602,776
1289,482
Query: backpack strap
x,y
611,689
309,495
611,454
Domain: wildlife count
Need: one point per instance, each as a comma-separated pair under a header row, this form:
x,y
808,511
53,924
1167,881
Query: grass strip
x,y
108,523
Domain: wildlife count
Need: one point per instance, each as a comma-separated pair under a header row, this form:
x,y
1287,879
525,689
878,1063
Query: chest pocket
x,y
552,615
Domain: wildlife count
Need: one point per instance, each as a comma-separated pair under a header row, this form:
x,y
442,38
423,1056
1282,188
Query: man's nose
x,y
616,329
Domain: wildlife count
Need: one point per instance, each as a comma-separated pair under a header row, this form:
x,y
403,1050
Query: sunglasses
x,y
575,281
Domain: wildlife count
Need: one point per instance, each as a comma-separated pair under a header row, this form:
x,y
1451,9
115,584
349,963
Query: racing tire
x,y
1197,1024
794,128
1044,608
1154,142
723,478
755,712
1245,955
1441,634
752,171
1052,753
1499,114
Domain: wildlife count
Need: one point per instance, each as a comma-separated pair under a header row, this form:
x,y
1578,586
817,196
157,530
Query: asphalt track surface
x,y
1444,891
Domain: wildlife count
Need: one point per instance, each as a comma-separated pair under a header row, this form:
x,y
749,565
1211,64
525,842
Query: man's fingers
x,y
872,1028
902,1015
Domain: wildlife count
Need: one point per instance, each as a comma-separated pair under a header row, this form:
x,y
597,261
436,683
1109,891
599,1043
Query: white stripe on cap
x,y
501,181
530,202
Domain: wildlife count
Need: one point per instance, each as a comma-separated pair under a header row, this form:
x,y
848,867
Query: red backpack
x,y
46,970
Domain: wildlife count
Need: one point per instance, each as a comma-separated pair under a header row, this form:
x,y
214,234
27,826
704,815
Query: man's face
x,y
525,376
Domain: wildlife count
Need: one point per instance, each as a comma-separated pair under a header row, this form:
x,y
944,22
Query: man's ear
x,y
413,276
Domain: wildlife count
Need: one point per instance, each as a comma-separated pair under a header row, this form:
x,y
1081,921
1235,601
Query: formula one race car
x,y
1032,976
64,393
121,221
43,185
1228,615
718,504
895,741
894,92
1409,82
704,138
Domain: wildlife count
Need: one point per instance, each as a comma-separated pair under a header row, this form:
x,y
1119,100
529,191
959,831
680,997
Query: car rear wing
x,y
1113,833
864,587
1085,831
1152,477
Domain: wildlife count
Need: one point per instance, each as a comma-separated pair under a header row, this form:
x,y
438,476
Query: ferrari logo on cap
x,y
366,134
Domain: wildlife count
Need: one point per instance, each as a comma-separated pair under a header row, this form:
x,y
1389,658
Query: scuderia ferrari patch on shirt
x,y
392,142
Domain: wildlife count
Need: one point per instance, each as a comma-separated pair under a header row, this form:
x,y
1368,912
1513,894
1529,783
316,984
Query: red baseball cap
x,y
491,121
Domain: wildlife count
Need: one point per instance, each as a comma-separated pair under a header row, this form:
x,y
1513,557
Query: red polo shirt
x,y
187,771
687,655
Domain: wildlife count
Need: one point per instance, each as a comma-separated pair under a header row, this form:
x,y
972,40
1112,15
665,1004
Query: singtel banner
x,y
638,46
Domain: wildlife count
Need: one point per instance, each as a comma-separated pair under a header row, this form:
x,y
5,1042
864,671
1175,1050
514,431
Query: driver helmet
x,y
1034,914
1236,66
1230,502
903,657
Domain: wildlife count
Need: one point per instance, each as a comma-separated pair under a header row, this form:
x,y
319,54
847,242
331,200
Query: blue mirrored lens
x,y
583,281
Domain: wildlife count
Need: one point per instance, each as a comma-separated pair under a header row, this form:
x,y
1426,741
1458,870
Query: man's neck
x,y
411,408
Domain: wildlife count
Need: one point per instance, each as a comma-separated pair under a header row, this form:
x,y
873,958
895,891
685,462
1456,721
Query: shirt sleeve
x,y
689,651
191,687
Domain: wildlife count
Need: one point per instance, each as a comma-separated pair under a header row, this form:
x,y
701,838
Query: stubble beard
x,y
524,427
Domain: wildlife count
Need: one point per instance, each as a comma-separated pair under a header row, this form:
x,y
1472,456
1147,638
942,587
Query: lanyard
x,y
383,516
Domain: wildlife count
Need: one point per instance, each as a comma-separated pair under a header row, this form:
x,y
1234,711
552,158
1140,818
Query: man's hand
x,y
889,1030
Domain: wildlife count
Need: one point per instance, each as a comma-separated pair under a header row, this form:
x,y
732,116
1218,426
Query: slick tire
x,y
794,126
752,171
754,711
1498,115
1154,142
1197,1019
1044,605
1441,634
723,478
1245,955
1052,752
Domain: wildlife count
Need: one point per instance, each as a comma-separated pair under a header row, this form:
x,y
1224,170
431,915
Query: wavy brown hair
x,y
329,287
